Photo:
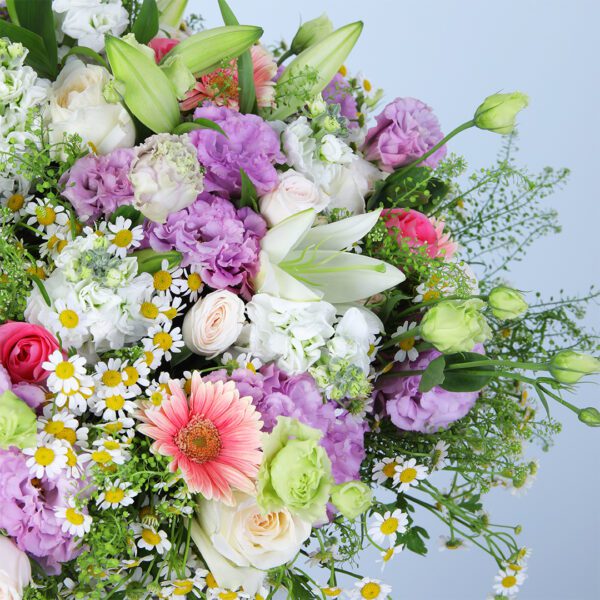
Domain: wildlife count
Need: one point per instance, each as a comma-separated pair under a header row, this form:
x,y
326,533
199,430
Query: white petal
x,y
285,235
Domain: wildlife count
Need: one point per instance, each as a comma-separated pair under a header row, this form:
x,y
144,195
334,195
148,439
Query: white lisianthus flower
x,y
293,194
15,570
214,323
166,176
291,333
333,150
77,106
88,21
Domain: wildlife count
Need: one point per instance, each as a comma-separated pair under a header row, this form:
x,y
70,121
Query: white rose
x,y
77,105
299,145
15,570
333,150
244,539
214,323
293,194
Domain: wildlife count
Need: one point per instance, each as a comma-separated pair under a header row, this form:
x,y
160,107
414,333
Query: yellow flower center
x,y
389,526
170,313
44,456
331,592
54,427
113,427
228,595
187,386
162,281
156,398
131,376
68,318
15,202
388,554
123,238
148,357
250,367
64,370
114,495
149,310
115,402
111,378
343,71
45,215
505,333
101,457
390,469
37,271
71,458
163,340
409,474
515,568
211,582
370,590
73,516
67,434
460,203
194,281
151,537
111,445
407,343
509,581
182,587
430,295
367,85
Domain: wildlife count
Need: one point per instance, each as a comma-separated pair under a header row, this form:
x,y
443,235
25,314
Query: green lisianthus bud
x,y
179,75
17,422
317,107
352,498
507,303
569,366
498,112
455,325
311,32
590,416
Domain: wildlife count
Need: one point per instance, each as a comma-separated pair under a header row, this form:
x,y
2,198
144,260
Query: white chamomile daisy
x,y
153,355
409,473
388,554
172,309
167,338
113,446
154,308
55,242
385,468
149,538
136,375
192,283
451,543
243,360
180,588
69,320
116,494
122,237
104,458
48,458
76,463
328,592
113,407
62,426
46,216
74,521
406,345
439,455
119,426
76,400
109,378
508,582
386,527
167,281
371,589
65,375
158,389
17,204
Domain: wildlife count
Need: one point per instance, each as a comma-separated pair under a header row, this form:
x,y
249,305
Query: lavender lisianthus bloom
x,y
251,144
338,91
427,412
212,233
98,185
275,393
28,512
31,394
406,129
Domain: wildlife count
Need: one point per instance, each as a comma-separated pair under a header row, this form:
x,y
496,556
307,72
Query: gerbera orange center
x,y
199,440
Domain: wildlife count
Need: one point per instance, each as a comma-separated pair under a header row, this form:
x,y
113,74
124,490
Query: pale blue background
x,y
451,54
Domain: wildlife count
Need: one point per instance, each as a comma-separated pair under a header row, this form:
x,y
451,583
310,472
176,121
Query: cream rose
x,y
77,105
15,570
244,541
214,323
293,194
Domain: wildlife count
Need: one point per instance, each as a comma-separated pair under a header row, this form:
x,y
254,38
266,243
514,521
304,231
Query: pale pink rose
x,y
15,570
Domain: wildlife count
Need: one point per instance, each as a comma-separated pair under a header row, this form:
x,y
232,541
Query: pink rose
x,y
162,46
23,349
412,227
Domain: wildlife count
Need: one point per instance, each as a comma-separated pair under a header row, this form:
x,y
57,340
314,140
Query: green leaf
x,y
206,50
413,539
198,124
245,67
128,212
87,52
181,357
150,261
12,11
433,375
148,92
146,23
466,380
249,195
42,288
37,57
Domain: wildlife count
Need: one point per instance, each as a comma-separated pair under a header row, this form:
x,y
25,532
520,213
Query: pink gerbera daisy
x,y
214,438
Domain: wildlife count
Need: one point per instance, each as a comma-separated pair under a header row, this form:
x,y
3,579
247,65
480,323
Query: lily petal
x,y
280,240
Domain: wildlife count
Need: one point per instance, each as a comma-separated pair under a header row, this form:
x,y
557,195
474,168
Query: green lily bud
x,y
17,422
132,41
352,498
171,12
498,112
179,75
455,325
507,303
590,416
311,32
569,367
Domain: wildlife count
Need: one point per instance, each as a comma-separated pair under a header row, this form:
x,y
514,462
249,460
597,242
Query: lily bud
x,y
498,112
507,303
179,75
569,367
171,12
590,416
311,32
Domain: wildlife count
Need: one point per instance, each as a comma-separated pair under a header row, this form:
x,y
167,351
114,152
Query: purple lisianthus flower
x,y
98,185
212,233
427,412
338,91
406,129
28,512
251,144
31,394
275,394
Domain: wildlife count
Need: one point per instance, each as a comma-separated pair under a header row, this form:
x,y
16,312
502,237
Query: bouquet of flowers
x,y
239,329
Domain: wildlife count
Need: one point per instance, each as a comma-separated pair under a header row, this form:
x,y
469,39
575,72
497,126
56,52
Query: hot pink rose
x,y
162,46
23,349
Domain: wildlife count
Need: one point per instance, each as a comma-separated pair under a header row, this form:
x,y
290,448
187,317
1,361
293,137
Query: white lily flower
x,y
304,263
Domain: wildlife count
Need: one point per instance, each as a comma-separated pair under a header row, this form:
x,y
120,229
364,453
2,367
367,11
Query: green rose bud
x,y
569,367
499,112
590,416
311,32
17,422
455,325
352,498
507,303
296,471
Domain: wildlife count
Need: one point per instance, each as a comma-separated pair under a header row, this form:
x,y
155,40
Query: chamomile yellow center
x,y
182,587
111,378
194,281
370,590
163,340
45,215
71,458
101,457
228,596
74,517
44,456
162,281
388,554
390,469
156,398
211,582
131,376
54,427
367,85
170,313
64,370
149,310
123,238
431,295
331,592
68,318
114,495
150,537
67,434
407,344
115,402
15,202
407,475
509,581
389,526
